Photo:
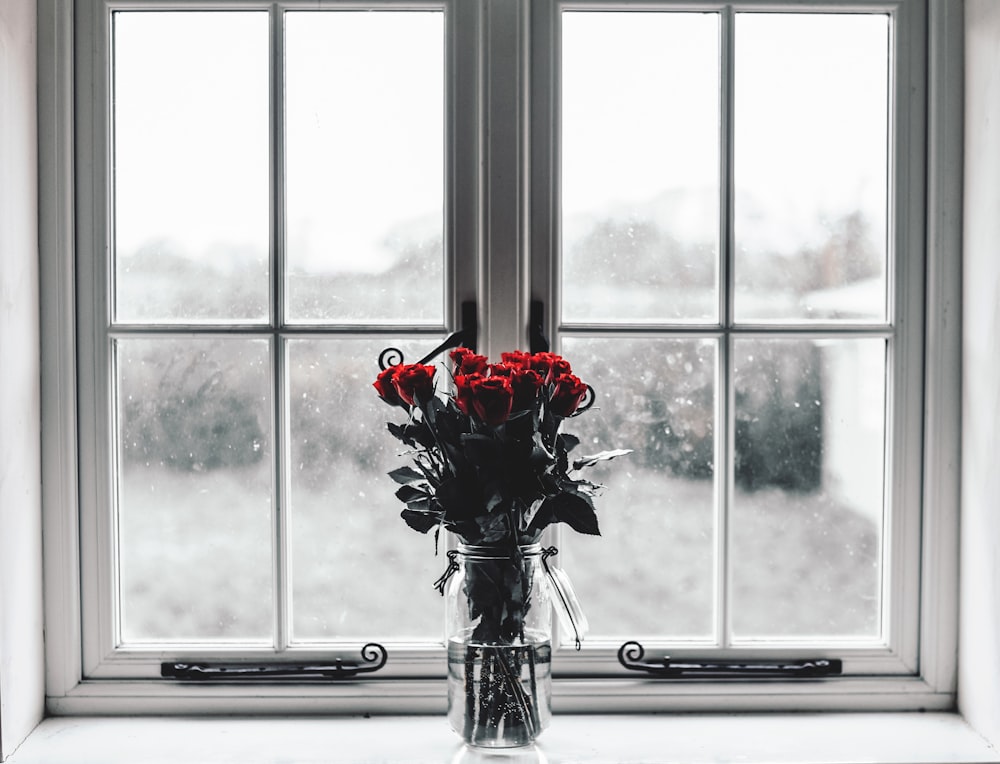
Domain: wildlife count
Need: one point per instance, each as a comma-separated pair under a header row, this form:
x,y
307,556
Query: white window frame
x,y
898,657
517,217
102,657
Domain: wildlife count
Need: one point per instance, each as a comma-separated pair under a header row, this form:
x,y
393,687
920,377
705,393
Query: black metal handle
x,y
467,336
630,655
373,657
537,341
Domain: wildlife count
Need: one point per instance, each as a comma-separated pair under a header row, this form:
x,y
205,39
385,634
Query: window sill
x,y
914,738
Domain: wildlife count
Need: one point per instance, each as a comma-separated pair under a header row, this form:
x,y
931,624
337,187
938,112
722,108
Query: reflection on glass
x,y
653,569
357,569
191,166
364,136
640,166
811,166
194,490
807,514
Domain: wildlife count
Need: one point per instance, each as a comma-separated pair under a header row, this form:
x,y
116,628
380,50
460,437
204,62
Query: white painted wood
x,y
506,113
501,231
979,659
943,364
21,647
802,739
58,286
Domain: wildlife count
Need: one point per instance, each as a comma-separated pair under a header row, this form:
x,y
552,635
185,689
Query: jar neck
x,y
498,552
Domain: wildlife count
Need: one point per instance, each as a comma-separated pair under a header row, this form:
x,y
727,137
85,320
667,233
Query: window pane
x,y
358,571
811,166
657,514
364,135
807,514
640,166
191,166
194,489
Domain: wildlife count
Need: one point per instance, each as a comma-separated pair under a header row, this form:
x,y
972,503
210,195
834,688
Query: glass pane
x,y
657,513
191,166
811,166
358,571
807,514
194,489
640,166
364,135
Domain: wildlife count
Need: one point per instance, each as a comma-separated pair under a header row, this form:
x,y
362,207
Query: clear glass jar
x,y
499,635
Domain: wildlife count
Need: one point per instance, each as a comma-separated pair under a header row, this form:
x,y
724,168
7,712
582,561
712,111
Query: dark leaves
x,y
406,475
420,520
572,507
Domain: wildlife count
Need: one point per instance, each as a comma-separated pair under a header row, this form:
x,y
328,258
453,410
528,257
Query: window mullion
x,y
725,403
505,293
280,548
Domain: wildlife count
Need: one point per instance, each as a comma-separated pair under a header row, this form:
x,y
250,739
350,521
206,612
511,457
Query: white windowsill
x,y
895,738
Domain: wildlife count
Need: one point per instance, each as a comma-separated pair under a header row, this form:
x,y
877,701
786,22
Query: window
x,y
733,252
724,244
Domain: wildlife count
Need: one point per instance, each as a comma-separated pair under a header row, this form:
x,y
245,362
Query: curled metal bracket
x,y
466,337
631,654
373,657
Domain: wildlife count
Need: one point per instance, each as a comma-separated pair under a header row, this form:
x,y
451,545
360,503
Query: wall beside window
x,y
979,664
21,659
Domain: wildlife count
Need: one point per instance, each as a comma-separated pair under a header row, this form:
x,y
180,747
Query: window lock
x,y
373,657
631,654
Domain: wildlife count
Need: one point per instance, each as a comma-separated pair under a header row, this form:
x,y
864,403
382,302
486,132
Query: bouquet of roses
x,y
490,463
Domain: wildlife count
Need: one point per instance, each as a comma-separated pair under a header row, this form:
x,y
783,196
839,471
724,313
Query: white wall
x,y
979,648
21,660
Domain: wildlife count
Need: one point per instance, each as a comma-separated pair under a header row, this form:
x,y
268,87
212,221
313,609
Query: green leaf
x,y
406,475
569,441
410,493
544,515
481,450
421,521
603,456
577,511
398,431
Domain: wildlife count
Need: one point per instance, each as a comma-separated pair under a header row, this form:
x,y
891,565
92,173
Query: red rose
x,y
567,393
550,365
386,390
500,370
492,399
526,383
467,362
464,392
517,358
414,382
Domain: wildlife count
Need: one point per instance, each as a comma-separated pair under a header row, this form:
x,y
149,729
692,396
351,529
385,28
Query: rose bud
x,y
526,383
414,382
492,399
567,393
467,362
385,389
464,392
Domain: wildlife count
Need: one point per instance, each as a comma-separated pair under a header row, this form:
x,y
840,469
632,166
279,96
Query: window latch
x,y
537,340
373,657
631,654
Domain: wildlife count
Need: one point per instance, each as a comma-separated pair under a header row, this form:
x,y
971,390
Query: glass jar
x,y
499,636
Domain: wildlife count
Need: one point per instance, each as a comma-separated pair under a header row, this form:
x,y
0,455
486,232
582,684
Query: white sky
x,y
365,120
